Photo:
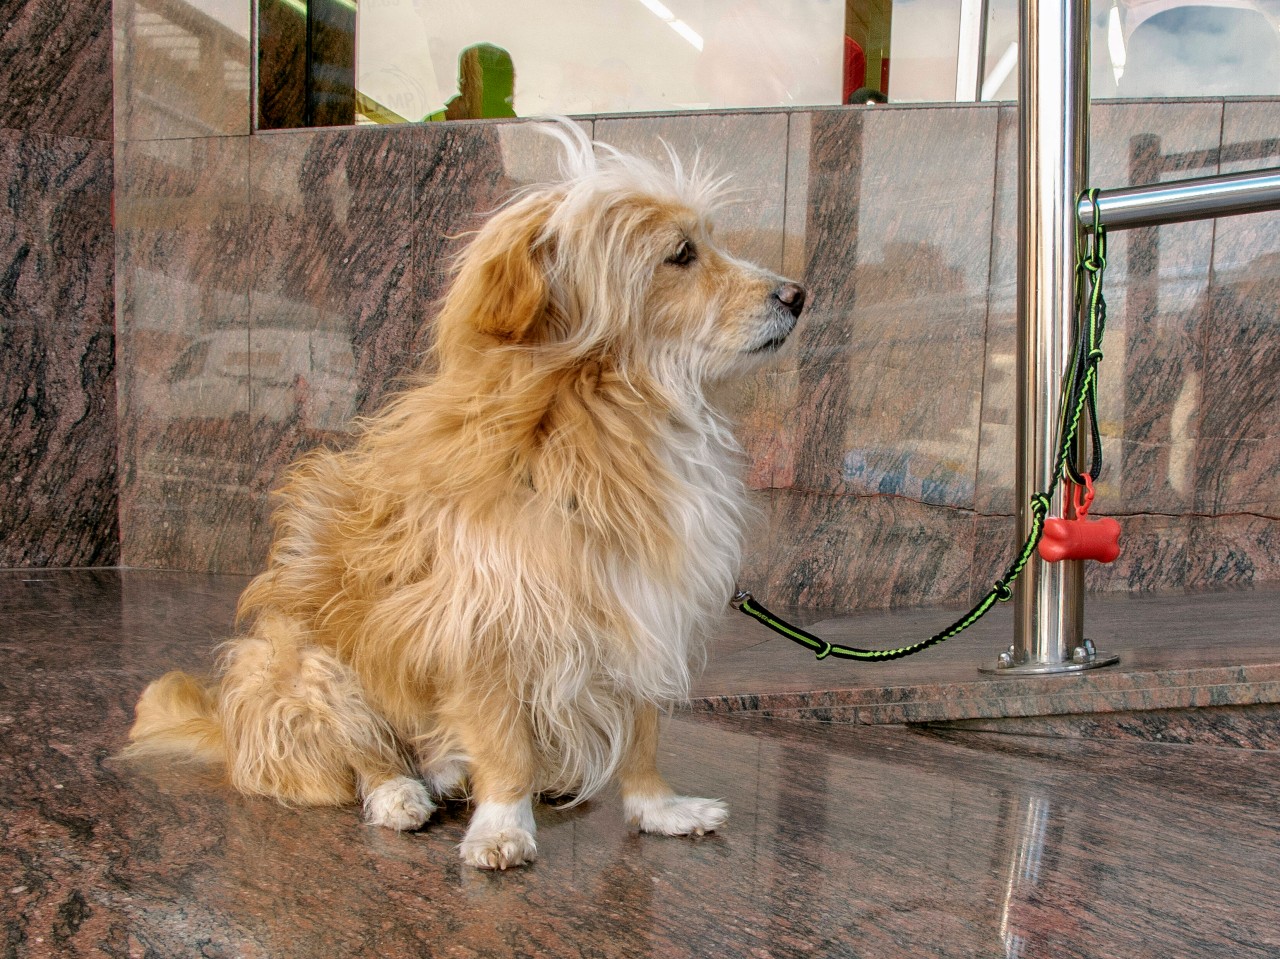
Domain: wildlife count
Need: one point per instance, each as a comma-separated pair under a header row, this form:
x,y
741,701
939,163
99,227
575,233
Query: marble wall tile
x,y
55,229
58,454
749,147
183,237
182,69
1239,457
1158,552
55,68
1233,550
58,451
866,552
770,432
1155,555
994,547
752,149
1157,294
796,214
891,355
1157,286
997,468
282,66
759,540
331,303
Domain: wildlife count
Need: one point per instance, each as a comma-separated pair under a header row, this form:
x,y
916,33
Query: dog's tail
x,y
177,717
287,720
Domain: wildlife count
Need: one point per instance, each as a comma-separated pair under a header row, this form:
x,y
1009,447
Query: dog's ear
x,y
501,289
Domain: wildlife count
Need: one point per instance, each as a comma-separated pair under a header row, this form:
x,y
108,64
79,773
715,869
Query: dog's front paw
x,y
675,815
500,836
500,850
401,803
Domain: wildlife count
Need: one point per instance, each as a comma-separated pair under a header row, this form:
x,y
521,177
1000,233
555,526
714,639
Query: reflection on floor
x,y
844,840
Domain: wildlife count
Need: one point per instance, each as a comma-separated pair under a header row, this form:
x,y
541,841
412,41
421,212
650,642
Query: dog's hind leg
x,y
648,801
298,728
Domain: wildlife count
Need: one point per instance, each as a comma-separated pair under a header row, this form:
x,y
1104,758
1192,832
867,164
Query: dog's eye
x,y
685,254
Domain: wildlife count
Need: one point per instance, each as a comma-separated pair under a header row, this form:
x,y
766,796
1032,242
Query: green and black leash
x,y
1079,399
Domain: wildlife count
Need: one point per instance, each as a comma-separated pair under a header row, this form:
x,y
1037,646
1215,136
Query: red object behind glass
x,y
855,68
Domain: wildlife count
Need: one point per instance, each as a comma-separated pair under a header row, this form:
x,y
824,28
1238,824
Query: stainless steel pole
x,y
1053,143
1228,194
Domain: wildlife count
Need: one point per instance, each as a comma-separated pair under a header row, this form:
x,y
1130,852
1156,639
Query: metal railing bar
x,y
1201,198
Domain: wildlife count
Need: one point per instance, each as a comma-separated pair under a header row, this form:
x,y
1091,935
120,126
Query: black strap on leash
x,y
1079,401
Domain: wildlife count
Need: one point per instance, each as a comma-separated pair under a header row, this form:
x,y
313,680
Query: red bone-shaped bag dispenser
x,y
1082,537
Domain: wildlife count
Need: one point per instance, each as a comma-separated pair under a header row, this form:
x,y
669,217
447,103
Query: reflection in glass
x,y
587,56
1194,51
486,85
1156,48
450,59
1023,876
306,63
182,69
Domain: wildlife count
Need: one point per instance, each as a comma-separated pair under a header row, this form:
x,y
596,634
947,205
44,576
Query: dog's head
x,y
617,262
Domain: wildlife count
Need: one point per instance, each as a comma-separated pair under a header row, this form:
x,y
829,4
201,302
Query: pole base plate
x,y
1084,656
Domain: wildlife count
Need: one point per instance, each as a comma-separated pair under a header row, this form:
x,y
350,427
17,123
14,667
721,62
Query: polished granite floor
x,y
875,841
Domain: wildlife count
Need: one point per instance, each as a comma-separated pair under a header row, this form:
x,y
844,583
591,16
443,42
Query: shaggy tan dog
x,y
499,586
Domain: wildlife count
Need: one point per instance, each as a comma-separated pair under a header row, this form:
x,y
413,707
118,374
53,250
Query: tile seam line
x,y
974,585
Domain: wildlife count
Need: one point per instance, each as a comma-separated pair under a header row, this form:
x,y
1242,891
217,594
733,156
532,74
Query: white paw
x,y
401,803
500,835
675,815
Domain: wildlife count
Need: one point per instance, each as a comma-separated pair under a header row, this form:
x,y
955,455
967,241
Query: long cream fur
x,y
497,588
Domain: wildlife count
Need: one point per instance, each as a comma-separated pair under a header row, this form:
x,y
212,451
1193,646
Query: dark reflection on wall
x,y
282,65
331,63
306,63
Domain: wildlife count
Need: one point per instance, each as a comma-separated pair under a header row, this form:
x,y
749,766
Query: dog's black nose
x,y
791,295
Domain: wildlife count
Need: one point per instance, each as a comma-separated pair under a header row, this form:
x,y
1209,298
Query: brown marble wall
x,y
55,68
880,446
1238,458
182,256
57,353
873,481
274,287
1157,286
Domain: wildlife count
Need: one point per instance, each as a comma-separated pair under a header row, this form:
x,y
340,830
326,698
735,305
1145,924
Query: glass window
x,y
1164,49
380,61
1157,48
472,58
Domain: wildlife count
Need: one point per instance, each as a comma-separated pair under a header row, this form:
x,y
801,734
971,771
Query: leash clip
x,y
740,597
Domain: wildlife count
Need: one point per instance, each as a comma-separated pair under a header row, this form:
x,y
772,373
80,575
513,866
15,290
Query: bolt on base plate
x,y
1084,656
